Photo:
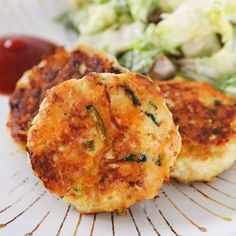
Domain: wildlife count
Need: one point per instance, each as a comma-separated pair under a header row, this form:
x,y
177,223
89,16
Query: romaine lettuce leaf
x,y
194,20
95,17
205,46
114,41
140,9
199,34
139,60
170,5
215,68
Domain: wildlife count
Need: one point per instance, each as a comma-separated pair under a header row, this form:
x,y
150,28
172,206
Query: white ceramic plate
x,y
26,208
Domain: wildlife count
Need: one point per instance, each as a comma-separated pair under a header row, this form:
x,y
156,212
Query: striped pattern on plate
x,y
26,208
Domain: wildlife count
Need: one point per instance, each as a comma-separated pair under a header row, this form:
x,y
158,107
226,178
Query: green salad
x,y
162,38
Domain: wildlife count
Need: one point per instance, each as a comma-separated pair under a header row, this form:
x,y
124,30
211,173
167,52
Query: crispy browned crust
x,y
25,100
107,177
205,115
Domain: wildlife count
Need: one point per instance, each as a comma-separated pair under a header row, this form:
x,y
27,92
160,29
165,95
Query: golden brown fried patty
x,y
207,124
31,88
103,142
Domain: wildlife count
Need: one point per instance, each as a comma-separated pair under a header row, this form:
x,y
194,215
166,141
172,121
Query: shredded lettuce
x,y
215,68
229,85
197,36
139,60
230,11
96,16
141,8
190,21
66,18
205,46
114,41
96,20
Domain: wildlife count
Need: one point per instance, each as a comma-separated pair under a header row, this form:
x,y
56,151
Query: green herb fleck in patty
x,y
152,117
133,96
135,158
97,118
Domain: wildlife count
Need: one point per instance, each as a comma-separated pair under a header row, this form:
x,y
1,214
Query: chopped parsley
x,y
153,105
77,189
158,161
152,117
135,158
97,118
218,103
133,96
90,145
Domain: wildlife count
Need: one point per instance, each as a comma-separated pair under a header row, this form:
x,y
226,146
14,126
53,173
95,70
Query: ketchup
x,y
19,53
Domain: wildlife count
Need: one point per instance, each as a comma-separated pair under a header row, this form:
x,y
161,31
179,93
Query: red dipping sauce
x,y
19,53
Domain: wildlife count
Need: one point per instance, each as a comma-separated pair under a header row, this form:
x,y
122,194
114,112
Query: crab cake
x,y
103,142
207,124
31,88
